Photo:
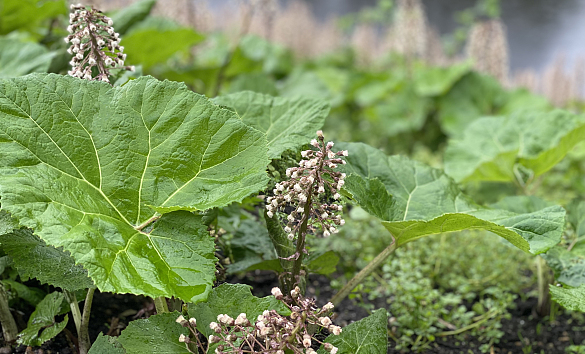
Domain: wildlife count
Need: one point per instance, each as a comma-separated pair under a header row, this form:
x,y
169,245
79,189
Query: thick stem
x,y
298,263
83,335
543,306
74,305
9,328
161,305
359,277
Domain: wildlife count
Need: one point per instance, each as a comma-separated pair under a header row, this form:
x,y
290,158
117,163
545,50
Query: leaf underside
x,y
33,258
414,200
83,164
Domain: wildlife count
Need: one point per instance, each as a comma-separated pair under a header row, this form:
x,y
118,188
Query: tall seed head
x,y
94,44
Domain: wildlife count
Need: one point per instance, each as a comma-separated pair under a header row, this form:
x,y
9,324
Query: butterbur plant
x,y
94,44
307,195
271,333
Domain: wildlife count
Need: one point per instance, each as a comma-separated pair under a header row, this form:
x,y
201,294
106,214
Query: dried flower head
x,y
94,43
271,333
306,191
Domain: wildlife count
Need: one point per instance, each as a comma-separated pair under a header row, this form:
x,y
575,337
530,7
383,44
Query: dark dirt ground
x,y
111,313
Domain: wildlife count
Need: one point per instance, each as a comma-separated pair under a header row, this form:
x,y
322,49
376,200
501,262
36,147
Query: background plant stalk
x,y
9,328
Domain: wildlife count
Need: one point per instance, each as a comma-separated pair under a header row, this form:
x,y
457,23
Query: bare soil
x,y
524,332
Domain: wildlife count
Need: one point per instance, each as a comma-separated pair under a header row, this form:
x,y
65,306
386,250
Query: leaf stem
x,y
161,305
358,278
83,335
147,222
73,304
9,328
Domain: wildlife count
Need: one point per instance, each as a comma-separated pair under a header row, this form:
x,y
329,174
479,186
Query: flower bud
x,y
306,340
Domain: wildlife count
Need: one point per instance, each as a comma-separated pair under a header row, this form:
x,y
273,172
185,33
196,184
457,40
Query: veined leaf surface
x,y
571,299
366,336
84,164
156,334
568,265
289,123
20,58
33,258
414,200
41,324
492,145
232,299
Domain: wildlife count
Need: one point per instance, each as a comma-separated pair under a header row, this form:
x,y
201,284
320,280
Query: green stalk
x,y
543,306
359,277
9,328
74,305
83,335
161,305
298,263
467,328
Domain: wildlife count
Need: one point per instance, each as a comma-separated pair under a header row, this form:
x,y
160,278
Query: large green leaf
x,y
232,299
473,96
251,248
20,291
7,223
156,334
106,345
401,111
84,164
576,211
19,58
568,266
43,318
437,80
33,258
28,15
149,47
414,200
366,336
491,146
131,15
571,299
289,123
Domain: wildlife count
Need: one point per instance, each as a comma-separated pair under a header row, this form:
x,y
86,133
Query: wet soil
x,y
524,332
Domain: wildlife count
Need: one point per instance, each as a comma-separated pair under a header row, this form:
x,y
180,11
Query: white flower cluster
x,y
306,190
94,43
271,333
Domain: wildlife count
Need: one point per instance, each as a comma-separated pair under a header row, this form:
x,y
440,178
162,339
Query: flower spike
x,y
94,44
307,190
